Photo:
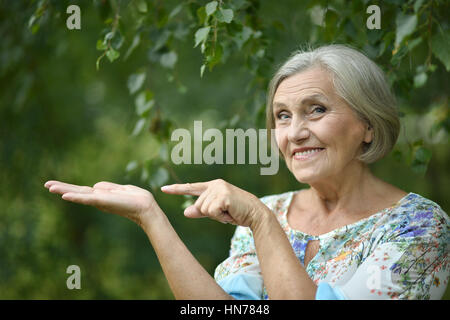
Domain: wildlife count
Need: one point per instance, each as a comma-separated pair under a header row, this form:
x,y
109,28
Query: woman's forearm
x,y
284,275
186,277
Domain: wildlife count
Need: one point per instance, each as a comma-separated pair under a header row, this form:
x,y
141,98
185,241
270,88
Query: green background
x,y
63,118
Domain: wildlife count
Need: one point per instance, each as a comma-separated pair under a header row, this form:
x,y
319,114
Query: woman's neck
x,y
348,192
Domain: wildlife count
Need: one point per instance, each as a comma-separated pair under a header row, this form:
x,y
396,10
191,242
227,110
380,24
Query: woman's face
x,y
318,134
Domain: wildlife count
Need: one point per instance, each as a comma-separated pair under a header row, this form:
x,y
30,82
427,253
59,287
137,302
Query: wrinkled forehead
x,y
315,83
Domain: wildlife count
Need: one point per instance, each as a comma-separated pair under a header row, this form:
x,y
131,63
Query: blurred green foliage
x,y
100,103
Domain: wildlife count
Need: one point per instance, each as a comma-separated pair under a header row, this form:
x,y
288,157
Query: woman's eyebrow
x,y
304,100
314,98
279,105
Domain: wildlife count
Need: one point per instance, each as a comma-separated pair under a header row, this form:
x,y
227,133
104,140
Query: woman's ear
x,y
368,136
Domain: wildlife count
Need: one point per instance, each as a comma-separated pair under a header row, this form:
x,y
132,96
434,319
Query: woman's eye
x,y
282,116
319,109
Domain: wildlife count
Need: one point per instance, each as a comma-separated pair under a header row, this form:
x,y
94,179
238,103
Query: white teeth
x,y
304,153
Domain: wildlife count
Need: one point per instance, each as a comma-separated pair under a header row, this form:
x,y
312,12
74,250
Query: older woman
x,y
349,235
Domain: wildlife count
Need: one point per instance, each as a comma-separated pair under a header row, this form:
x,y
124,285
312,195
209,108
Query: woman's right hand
x,y
128,201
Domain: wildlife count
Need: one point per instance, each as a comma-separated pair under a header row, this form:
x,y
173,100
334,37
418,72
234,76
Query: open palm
x,y
125,200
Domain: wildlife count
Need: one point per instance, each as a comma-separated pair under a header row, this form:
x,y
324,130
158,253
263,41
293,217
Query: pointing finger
x,y
193,189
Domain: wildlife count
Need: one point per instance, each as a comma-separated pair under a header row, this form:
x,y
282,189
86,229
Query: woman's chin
x,y
312,174
307,178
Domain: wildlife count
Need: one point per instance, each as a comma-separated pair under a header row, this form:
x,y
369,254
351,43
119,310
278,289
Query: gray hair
x,y
360,82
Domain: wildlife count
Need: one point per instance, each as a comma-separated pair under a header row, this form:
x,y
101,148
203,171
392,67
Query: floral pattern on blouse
x,y
400,252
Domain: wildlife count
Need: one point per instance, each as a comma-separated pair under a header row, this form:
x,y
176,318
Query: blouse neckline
x,y
288,202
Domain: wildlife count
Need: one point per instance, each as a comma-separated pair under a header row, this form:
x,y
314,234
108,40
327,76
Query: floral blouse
x,y
400,252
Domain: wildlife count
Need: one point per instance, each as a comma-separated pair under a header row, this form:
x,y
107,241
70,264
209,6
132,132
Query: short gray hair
x,y
359,81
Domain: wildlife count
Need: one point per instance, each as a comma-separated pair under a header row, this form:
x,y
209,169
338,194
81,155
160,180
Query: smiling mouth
x,y
307,153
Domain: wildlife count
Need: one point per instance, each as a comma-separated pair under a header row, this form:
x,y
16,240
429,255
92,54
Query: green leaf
x,y
135,81
406,24
101,45
144,102
162,17
417,5
420,79
210,8
131,166
112,54
317,14
202,70
108,36
144,174
397,155
117,40
203,47
419,168
421,158
242,37
142,6
215,57
159,177
234,121
175,11
134,44
97,63
162,40
371,51
399,55
35,28
349,29
387,40
181,89
238,4
32,20
169,59
440,45
423,155
188,202
414,43
138,127
164,152
225,15
201,15
201,35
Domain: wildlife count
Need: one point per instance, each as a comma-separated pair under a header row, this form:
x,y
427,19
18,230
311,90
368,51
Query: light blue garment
x,y
242,286
327,292
249,287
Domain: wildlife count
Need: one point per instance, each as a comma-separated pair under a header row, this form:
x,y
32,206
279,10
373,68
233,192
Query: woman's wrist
x,y
263,218
151,217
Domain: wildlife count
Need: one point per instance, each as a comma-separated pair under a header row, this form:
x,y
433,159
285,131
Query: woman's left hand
x,y
221,201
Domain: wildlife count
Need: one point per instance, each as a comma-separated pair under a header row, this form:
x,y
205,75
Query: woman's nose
x,y
298,131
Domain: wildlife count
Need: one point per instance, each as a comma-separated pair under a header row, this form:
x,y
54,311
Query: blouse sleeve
x,y
411,264
240,274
